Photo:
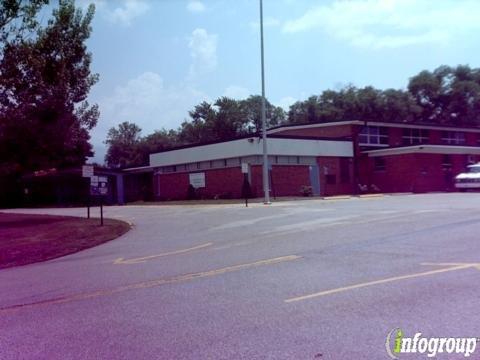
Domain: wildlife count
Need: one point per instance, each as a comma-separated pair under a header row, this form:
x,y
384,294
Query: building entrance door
x,y
315,179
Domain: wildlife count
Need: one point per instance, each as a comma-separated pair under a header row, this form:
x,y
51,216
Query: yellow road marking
x,y
383,281
151,283
120,261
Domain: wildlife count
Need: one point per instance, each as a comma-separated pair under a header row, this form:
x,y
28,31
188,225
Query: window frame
x,y
379,163
453,138
373,136
414,136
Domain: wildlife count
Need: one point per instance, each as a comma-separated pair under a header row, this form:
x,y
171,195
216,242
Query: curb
x,y
367,196
339,197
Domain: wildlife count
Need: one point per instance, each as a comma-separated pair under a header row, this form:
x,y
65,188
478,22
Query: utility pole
x,y
266,190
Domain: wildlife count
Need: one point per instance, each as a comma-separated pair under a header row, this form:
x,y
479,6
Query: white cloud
x,y
236,92
195,6
285,102
203,49
129,10
146,101
391,23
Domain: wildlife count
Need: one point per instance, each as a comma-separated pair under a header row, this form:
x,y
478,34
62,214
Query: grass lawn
x,y
25,239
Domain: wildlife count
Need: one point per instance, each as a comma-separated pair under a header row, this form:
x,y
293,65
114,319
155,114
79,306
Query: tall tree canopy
x,y
351,103
127,148
448,95
18,17
227,118
44,83
224,119
123,145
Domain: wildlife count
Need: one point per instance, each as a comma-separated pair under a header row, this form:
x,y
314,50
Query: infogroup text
x,y
397,343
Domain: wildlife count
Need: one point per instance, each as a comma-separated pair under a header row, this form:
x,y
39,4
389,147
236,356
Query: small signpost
x,y
246,190
87,172
98,188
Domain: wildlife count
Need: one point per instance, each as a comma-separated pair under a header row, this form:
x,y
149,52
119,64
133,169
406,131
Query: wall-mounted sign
x,y
87,170
244,168
197,180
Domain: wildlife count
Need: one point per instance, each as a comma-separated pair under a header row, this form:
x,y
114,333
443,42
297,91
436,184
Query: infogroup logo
x,y
397,343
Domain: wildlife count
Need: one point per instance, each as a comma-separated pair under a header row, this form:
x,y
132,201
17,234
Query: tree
x,y
127,148
252,110
18,17
44,84
448,95
227,118
223,120
123,146
159,140
351,103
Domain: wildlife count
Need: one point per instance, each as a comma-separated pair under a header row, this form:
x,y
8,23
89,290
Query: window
x,y
282,159
415,136
191,167
294,159
306,160
453,137
233,162
446,162
204,165
218,163
168,169
379,164
373,135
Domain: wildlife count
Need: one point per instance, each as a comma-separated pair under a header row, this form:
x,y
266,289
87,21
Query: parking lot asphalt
x,y
312,279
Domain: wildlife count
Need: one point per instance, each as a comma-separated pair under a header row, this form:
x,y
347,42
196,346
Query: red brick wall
x,y
416,172
434,136
287,181
328,131
395,136
218,182
172,186
331,166
471,139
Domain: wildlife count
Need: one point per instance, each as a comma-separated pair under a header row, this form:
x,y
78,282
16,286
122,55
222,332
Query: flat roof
x,y
253,146
405,125
429,149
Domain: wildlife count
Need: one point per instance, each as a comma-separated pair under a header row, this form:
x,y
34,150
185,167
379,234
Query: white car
x,y
469,179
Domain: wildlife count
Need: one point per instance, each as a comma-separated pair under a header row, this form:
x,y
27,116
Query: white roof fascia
x,y
373,123
428,149
252,146
312,126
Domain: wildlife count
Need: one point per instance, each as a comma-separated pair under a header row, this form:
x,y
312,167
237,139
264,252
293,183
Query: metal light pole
x,y
264,126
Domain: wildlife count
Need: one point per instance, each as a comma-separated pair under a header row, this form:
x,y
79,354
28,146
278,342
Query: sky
x,y
158,59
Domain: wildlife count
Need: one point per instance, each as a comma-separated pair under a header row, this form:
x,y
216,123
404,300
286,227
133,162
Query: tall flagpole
x,y
264,126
